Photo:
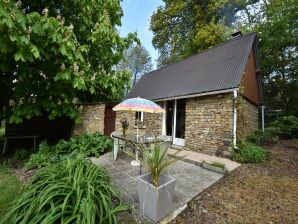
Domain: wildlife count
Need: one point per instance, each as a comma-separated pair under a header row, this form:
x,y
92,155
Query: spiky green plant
x,y
73,191
155,157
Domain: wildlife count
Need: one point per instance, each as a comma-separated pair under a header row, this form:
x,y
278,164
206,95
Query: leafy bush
x,y
258,137
2,132
93,144
254,137
22,154
287,127
248,152
86,144
73,191
270,135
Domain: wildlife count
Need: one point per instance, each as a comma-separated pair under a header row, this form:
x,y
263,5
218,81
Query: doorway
x,y
175,121
109,120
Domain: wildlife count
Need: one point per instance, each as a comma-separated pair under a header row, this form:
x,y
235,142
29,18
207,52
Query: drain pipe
x,y
235,94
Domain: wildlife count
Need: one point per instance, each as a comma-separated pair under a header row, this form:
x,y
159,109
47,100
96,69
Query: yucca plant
x,y
155,158
73,191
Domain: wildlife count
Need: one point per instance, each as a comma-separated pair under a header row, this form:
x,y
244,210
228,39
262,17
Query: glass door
x,y
175,121
169,118
179,122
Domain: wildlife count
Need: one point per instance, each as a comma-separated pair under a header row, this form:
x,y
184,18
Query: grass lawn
x,y
261,193
10,187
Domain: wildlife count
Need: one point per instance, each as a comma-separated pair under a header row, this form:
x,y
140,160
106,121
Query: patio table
x,y
132,140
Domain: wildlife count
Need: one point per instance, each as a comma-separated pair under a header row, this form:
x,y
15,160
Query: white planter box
x,y
155,203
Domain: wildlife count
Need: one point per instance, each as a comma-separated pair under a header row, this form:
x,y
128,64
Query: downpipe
x,y
235,95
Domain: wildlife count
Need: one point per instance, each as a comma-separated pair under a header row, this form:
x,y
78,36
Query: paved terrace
x,y
191,179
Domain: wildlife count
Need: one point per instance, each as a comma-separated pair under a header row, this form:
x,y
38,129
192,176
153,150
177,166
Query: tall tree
x,y
182,28
137,60
54,53
276,24
279,54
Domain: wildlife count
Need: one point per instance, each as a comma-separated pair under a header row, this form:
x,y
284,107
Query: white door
x,y
179,123
175,121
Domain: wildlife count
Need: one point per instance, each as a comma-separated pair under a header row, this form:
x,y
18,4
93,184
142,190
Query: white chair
x,y
118,143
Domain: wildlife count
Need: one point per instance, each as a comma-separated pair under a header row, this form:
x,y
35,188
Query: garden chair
x,y
118,144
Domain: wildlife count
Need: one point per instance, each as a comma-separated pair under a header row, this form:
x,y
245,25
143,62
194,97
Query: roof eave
x,y
197,94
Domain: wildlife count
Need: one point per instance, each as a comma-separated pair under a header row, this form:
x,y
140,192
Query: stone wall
x,y
92,119
152,123
247,117
209,124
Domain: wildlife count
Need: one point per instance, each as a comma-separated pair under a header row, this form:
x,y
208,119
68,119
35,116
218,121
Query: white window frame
x,y
142,115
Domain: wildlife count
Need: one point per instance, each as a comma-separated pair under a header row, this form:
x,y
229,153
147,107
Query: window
x,y
139,118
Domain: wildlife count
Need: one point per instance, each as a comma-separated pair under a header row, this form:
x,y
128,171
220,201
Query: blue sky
x,y
136,17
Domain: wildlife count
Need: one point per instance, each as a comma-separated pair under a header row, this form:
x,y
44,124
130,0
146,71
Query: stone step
x,y
198,158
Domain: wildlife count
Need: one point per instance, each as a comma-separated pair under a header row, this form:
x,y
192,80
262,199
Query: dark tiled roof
x,y
215,69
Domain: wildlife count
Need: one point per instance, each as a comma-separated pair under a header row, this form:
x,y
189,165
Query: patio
x,y
191,179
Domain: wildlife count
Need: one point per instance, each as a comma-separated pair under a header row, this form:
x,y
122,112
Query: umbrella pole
x,y
137,132
137,154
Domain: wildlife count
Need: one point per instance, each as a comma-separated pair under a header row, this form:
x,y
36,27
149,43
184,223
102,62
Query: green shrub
x,y
254,137
2,132
287,127
93,144
86,144
258,137
21,154
45,156
270,135
247,152
73,191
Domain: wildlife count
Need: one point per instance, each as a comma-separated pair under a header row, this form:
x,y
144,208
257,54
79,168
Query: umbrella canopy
x,y
139,105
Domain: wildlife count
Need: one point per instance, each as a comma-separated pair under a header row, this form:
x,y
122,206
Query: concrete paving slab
x,y
191,179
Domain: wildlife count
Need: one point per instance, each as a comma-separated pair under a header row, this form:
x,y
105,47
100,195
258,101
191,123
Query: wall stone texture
x,y
92,119
247,118
152,123
209,124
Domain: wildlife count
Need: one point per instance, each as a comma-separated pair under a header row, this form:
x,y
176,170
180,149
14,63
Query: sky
x,y
136,17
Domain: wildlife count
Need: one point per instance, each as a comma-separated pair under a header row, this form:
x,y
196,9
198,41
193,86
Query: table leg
x,y
4,147
115,149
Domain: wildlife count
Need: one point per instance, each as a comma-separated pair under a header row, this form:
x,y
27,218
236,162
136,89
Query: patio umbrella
x,y
138,105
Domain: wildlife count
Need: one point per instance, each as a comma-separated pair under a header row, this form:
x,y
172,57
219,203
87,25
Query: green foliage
x,y
279,56
10,188
155,158
254,137
248,153
22,154
137,60
258,137
86,144
182,28
286,127
270,135
73,191
51,59
2,133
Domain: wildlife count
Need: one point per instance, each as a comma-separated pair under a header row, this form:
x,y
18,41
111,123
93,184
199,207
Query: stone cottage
x,y
211,99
